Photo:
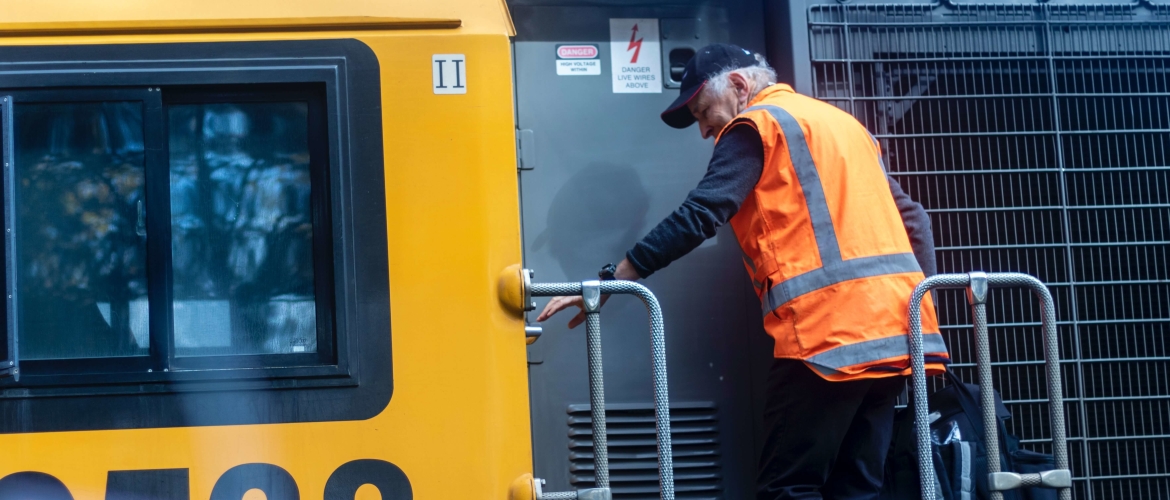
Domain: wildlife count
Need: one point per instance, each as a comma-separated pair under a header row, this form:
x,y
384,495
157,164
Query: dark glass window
x,y
81,246
171,230
177,203
241,229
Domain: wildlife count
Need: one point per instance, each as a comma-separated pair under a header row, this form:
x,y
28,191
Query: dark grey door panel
x,y
605,170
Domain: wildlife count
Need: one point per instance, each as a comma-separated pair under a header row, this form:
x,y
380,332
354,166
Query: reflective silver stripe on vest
x,y
833,269
878,147
831,361
837,272
810,183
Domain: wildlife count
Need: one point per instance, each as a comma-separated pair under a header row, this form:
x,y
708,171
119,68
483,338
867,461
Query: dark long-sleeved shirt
x,y
736,165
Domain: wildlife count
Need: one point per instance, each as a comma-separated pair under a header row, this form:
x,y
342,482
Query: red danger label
x,y
577,52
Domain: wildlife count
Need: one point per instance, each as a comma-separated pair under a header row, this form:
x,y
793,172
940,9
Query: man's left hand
x,y
625,271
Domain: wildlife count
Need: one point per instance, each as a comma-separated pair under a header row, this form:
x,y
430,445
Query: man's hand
x,y
625,271
558,304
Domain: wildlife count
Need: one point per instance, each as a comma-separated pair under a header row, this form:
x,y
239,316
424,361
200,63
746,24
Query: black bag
x,y
960,458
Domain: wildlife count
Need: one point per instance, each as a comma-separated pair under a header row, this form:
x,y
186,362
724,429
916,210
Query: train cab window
x,y
201,244
242,231
81,249
194,234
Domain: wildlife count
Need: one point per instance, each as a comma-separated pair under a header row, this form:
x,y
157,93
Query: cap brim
x,y
678,115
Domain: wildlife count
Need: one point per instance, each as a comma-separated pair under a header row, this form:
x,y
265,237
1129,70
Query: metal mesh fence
x,y
1038,138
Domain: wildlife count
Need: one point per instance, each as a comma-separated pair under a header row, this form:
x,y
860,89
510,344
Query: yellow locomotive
x,y
272,249
257,251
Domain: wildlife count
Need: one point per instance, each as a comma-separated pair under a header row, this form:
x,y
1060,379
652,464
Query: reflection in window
x,y
241,229
81,254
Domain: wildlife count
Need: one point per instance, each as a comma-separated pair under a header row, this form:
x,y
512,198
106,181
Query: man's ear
x,y
741,85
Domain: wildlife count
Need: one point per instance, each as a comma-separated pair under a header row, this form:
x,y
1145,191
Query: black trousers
x,y
825,439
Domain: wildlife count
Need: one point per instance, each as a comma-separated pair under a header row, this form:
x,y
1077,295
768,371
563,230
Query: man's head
x,y
717,84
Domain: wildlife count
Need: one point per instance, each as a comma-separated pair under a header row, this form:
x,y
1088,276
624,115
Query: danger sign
x,y
635,56
582,59
577,51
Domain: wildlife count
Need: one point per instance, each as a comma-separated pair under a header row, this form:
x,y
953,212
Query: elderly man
x,y
834,248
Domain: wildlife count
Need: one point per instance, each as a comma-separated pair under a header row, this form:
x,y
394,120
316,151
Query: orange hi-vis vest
x,y
825,245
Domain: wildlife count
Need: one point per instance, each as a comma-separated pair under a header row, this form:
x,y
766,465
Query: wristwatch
x,y
606,273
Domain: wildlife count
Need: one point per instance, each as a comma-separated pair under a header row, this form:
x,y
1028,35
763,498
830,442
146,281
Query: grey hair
x,y
759,76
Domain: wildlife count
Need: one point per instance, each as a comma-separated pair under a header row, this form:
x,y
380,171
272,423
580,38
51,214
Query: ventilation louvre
x,y
633,458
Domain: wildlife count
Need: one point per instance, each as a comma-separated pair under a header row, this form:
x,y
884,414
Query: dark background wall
x,y
1036,135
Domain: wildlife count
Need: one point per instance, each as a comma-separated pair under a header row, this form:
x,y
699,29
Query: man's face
x,y
714,111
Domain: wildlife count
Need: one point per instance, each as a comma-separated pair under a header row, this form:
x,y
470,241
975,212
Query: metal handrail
x,y
977,285
592,291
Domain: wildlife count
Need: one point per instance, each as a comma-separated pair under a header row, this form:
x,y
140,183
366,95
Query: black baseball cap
x,y
708,61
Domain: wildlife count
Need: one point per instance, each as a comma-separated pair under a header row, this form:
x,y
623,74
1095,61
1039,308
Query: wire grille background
x,y
1037,138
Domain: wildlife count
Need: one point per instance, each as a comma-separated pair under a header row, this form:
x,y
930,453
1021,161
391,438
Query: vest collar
x,y
768,92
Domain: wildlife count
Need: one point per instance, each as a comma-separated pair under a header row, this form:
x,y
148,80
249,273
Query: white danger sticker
x,y
449,73
636,56
583,59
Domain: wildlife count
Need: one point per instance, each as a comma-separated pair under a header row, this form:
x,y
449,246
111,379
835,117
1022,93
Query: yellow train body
x,y
457,423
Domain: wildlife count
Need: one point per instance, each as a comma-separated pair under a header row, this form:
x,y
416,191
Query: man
x,y
834,248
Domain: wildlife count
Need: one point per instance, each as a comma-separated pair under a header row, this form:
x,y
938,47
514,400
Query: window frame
x,y
202,390
162,355
74,371
10,365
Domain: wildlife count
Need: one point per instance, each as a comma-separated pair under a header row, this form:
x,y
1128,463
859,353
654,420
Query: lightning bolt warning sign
x,y
635,45
635,56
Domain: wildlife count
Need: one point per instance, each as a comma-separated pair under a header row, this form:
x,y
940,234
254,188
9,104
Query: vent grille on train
x,y
633,459
1038,138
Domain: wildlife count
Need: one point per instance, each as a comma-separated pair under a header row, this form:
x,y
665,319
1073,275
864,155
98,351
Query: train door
x,y
598,170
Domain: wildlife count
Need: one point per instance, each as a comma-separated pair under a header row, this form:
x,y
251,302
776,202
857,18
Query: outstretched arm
x,y
735,168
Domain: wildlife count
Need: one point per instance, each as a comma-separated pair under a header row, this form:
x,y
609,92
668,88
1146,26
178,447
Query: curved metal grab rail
x,y
592,292
977,285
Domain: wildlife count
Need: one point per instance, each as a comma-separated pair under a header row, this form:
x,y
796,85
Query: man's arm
x,y
735,168
736,165
917,224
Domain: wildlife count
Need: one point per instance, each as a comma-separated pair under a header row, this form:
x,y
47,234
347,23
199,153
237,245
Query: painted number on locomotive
x,y
174,484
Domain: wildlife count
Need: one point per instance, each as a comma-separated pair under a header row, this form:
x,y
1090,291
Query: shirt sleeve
x,y
917,224
736,165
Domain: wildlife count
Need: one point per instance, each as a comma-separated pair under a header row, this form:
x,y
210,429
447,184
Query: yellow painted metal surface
x,y
235,25
458,421
478,16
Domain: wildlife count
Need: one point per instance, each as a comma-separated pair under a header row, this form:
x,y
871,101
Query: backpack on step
x,y
960,458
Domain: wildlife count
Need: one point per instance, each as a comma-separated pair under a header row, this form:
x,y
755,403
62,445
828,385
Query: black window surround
x,y
351,362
